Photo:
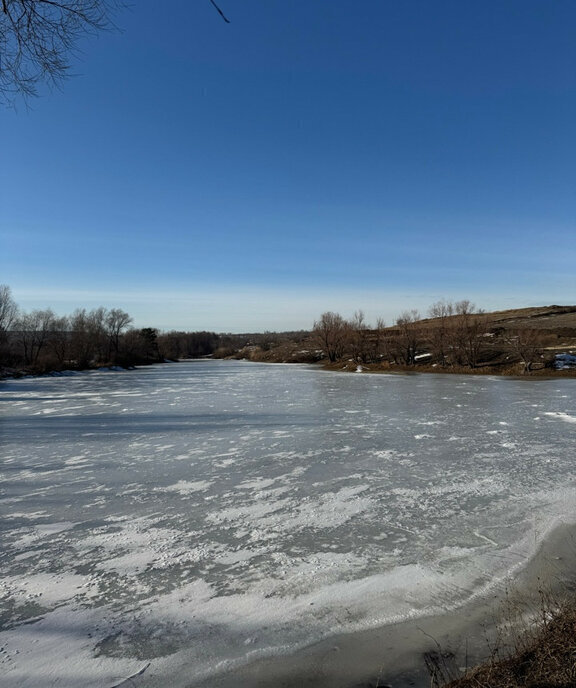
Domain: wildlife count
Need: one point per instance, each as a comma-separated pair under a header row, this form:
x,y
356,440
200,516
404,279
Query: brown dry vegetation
x,y
541,317
542,657
513,342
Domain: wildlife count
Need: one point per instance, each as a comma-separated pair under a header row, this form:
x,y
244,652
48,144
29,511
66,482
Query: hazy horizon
x,y
286,319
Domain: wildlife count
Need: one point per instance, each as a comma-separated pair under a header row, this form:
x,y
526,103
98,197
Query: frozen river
x,y
199,514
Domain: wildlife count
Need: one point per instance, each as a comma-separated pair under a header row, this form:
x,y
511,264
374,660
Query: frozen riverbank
x,y
394,654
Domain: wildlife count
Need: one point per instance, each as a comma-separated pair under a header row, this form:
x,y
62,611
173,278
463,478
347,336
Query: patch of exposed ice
x,y
38,532
257,484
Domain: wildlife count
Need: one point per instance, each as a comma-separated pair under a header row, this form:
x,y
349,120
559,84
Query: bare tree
x,y
527,345
81,343
358,337
8,314
88,339
115,322
32,331
8,309
330,334
379,340
467,333
58,343
37,38
441,312
407,336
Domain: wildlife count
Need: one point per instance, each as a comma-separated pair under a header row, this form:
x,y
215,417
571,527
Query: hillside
x,y
522,340
552,318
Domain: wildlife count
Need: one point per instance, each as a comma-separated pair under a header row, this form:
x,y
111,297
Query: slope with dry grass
x,y
543,657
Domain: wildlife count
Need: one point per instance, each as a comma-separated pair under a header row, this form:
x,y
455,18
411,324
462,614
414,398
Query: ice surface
x,y
200,514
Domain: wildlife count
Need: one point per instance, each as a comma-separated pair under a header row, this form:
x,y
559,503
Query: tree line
x,y
38,341
453,335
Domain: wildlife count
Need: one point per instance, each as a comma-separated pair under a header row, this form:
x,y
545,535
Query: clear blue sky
x,y
311,155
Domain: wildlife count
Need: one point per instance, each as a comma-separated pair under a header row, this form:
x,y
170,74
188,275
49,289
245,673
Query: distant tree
x,y
407,336
267,340
8,308
441,312
138,347
174,344
379,340
31,334
8,314
330,335
148,337
358,337
170,345
96,328
58,344
201,343
115,322
88,338
82,345
527,345
37,38
467,333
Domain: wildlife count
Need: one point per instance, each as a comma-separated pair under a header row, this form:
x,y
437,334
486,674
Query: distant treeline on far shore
x,y
40,341
455,336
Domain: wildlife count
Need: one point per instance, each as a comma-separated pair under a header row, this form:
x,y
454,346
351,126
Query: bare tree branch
x,y
37,38
220,12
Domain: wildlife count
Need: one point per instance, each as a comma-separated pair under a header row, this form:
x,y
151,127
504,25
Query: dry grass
x,y
506,370
544,317
541,656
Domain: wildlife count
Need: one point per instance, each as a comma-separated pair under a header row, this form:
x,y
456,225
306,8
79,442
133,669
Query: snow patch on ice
x,y
561,416
384,453
184,487
47,589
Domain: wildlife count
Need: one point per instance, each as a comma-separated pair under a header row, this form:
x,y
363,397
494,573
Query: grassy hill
x,y
550,318
506,342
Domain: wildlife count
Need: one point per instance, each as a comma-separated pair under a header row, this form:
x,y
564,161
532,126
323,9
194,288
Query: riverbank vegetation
x,y
540,652
40,341
455,337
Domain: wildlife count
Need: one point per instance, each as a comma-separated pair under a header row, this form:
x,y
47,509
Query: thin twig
x,y
220,12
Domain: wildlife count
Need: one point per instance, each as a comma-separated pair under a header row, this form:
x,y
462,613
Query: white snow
x,y
186,486
561,416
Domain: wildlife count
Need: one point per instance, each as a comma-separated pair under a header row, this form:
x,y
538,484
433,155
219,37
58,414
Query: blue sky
x,y
308,156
